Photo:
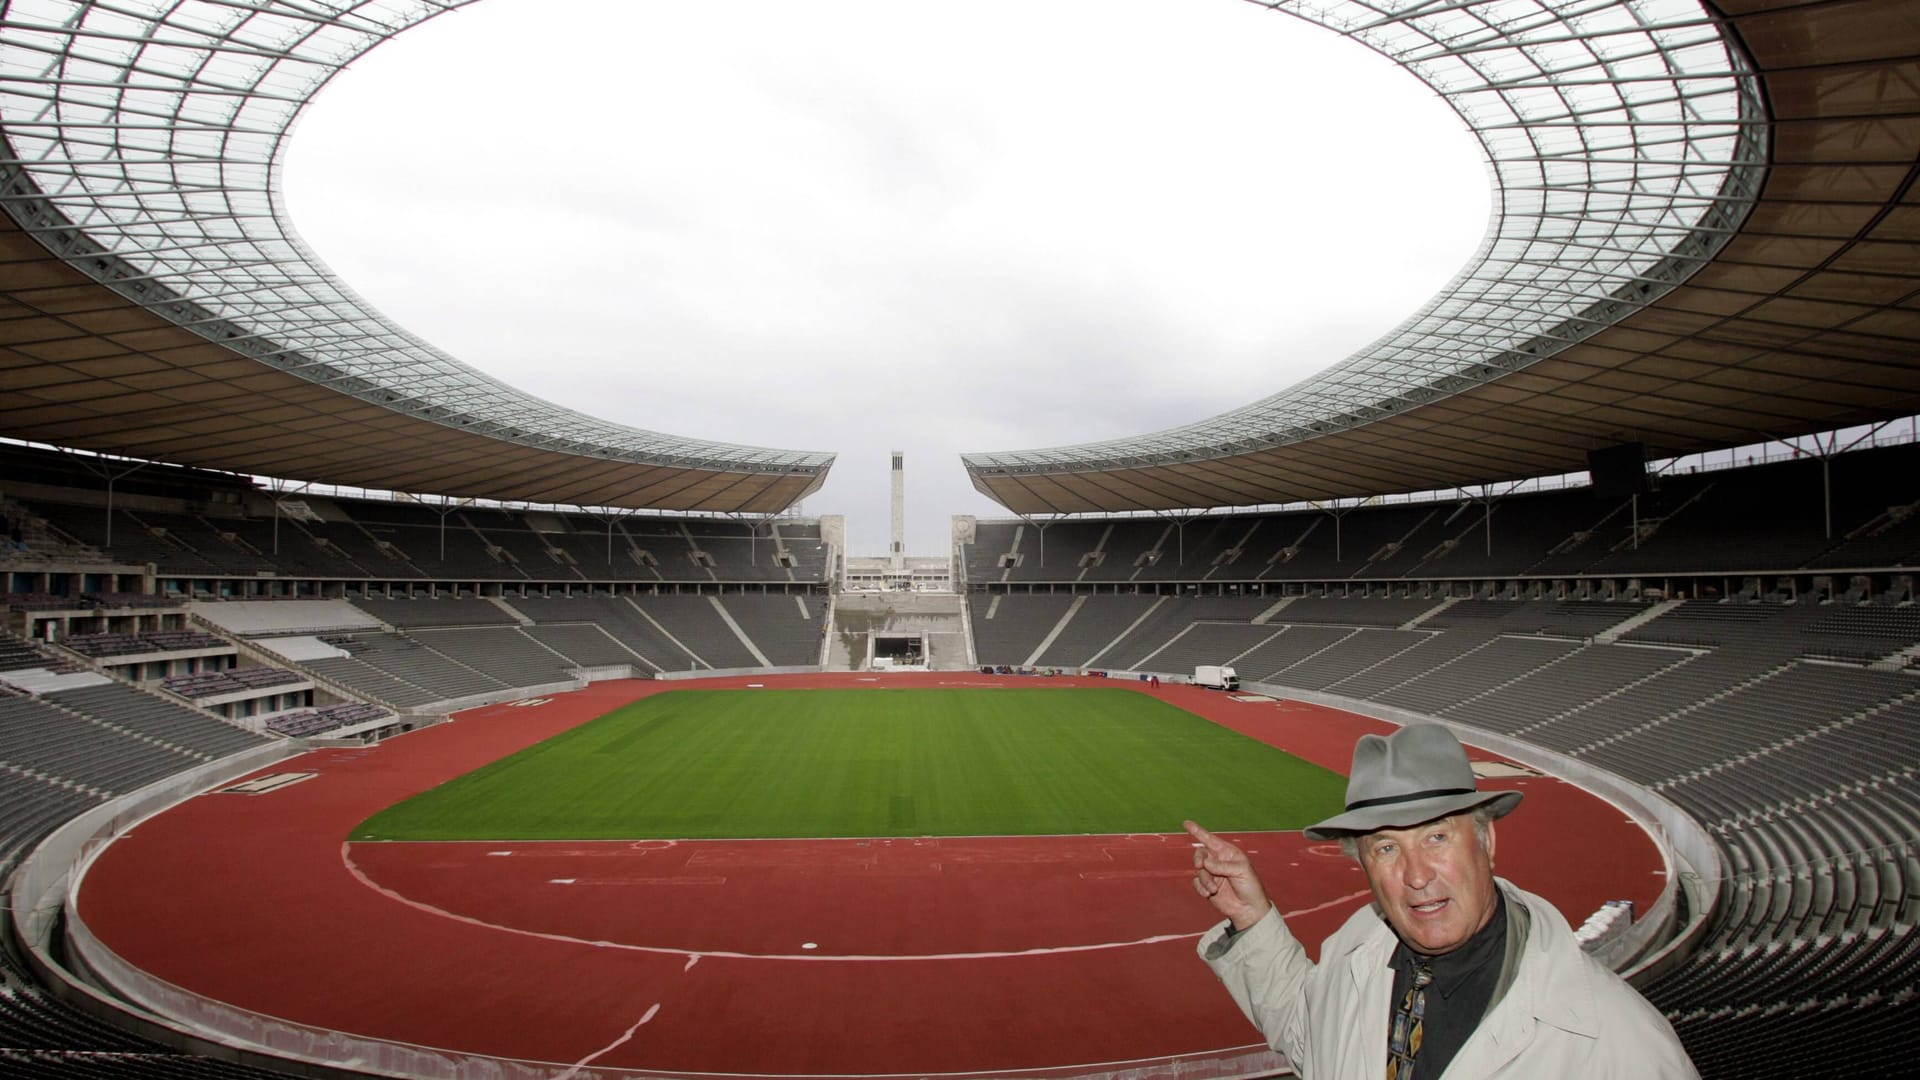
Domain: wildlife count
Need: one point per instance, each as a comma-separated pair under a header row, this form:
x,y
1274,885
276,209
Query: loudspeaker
x,y
1619,470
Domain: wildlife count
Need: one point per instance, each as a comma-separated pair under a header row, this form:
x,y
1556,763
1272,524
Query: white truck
x,y
1215,677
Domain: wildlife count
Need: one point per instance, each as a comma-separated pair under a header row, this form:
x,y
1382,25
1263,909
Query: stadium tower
x,y
897,537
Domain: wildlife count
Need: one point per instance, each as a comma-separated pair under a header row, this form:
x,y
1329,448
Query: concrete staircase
x,y
938,618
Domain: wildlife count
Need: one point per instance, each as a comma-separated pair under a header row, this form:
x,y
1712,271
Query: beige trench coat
x,y
1565,1014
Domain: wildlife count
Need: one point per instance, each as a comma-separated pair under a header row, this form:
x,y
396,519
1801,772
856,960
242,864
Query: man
x,y
1450,970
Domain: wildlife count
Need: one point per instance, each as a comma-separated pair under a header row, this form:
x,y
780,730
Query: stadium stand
x,y
503,652
43,738
102,739
408,614
209,684
785,629
1093,624
108,645
739,552
16,654
1431,655
1357,651
1010,628
36,601
619,618
1682,527
151,718
702,628
1145,637
320,721
399,671
439,543
210,537
1753,703
313,548
1254,650
124,535
1462,678
585,645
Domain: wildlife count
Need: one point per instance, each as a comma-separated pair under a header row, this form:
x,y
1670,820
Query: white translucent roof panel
x,y
145,136
1625,140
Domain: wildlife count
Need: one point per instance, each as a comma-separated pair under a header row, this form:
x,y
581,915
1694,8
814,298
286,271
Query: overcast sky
x,y
868,225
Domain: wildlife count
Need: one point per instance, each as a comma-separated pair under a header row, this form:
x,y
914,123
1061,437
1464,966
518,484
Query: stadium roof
x,y
1705,235
158,306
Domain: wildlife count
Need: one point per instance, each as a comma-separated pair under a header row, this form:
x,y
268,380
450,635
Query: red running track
x,y
783,958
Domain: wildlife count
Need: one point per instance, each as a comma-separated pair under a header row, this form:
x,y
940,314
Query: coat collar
x,y
1548,986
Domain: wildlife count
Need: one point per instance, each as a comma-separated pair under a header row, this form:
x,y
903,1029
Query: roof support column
x,y
1040,527
94,465
1180,520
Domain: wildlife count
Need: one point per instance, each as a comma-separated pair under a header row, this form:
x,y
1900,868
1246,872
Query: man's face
x,y
1433,882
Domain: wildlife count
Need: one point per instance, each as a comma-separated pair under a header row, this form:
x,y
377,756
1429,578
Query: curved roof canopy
x,y
1705,236
158,306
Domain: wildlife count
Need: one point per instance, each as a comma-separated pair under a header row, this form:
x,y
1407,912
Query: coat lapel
x,y
1514,1021
1371,971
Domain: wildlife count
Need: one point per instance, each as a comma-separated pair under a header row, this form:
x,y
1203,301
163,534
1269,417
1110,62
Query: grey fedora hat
x,y
1416,774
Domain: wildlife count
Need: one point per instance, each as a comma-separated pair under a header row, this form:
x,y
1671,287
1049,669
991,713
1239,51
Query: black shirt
x,y
1462,988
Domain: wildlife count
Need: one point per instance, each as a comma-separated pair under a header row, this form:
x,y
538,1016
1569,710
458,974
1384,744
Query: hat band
x,y
1414,797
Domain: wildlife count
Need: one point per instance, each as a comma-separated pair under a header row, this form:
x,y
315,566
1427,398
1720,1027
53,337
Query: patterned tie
x,y
1403,1044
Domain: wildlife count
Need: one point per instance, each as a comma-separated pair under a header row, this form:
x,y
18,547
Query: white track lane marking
x,y
614,1045
346,859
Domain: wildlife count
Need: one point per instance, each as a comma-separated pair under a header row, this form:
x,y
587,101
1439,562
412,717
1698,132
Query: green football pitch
x,y
715,764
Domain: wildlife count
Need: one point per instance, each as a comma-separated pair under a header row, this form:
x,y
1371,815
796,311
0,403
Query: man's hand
x,y
1224,875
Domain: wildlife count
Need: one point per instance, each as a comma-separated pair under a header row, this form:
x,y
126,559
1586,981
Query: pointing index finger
x,y
1207,839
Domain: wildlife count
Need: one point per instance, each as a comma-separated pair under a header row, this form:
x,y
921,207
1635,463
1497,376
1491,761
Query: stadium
x,y
293,597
